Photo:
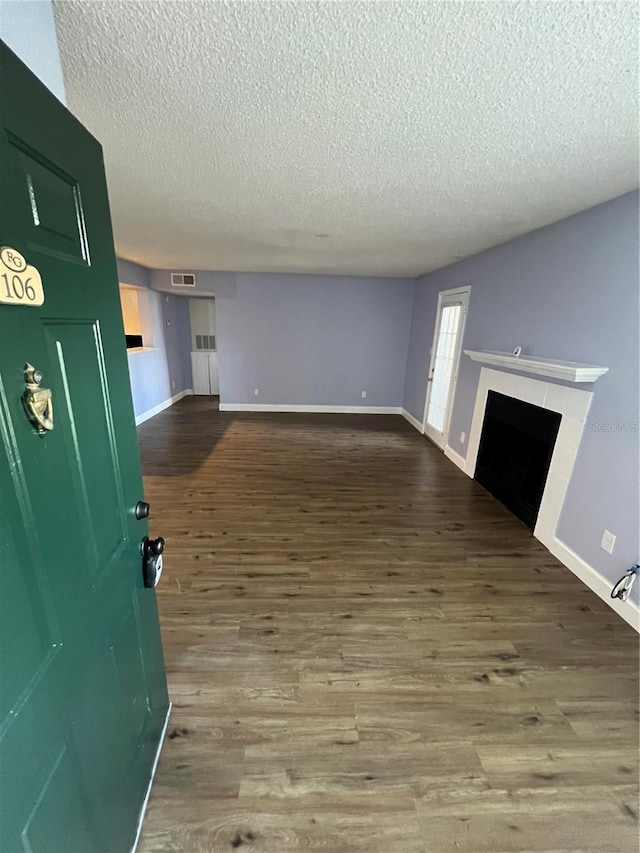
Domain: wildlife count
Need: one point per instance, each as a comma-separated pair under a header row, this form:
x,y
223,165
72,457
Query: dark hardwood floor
x,y
366,652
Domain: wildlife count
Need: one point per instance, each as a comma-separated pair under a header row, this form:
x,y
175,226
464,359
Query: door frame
x,y
446,297
211,297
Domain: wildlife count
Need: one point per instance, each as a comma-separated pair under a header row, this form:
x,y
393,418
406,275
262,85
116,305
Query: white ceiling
x,y
385,138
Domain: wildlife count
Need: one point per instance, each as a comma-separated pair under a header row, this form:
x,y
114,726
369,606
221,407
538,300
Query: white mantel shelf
x,y
569,371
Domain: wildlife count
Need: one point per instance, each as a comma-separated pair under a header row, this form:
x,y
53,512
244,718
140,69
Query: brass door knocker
x,y
38,402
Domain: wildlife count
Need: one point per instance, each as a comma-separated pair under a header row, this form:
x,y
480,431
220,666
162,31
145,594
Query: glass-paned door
x,y
443,371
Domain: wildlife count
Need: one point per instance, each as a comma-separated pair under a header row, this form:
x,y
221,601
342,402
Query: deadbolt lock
x,y
152,551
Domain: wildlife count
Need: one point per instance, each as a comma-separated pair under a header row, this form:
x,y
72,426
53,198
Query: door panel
x,y
77,349
200,373
214,386
83,694
68,833
23,612
55,202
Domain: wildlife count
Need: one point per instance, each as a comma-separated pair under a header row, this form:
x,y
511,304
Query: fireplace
x,y
514,454
570,404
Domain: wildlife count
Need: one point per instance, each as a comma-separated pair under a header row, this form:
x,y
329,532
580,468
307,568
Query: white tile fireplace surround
x,y
573,404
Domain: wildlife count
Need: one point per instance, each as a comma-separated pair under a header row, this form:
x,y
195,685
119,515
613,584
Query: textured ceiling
x,y
386,138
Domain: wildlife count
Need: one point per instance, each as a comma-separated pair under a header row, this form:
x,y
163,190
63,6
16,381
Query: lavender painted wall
x,y
570,291
163,372
130,273
308,340
420,340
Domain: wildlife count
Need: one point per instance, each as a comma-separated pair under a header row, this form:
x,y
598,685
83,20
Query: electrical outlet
x,y
363,394
256,392
463,437
608,541
173,385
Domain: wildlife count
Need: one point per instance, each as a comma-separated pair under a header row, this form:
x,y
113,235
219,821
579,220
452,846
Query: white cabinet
x,y
200,372
204,368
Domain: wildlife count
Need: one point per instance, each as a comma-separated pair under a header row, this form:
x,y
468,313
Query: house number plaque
x,y
20,284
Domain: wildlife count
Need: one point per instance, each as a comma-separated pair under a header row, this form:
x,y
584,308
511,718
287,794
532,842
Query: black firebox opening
x,y
516,444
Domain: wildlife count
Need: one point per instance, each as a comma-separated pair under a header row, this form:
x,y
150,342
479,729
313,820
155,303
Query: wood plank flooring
x,y
366,652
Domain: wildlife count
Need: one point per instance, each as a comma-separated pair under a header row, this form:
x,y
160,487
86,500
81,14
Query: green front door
x,y
83,696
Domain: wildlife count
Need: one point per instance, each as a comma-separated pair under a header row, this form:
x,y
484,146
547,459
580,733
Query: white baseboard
x,y
145,802
413,421
628,609
455,457
287,407
140,419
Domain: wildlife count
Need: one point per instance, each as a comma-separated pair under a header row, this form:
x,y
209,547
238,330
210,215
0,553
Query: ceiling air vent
x,y
179,279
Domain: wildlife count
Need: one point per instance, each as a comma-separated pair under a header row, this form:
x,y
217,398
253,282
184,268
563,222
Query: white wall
x,y
28,28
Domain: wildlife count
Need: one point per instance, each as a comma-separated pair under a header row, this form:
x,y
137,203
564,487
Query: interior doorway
x,y
204,352
443,369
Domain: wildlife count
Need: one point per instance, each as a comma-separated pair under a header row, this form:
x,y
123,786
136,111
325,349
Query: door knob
x,y
152,551
142,510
